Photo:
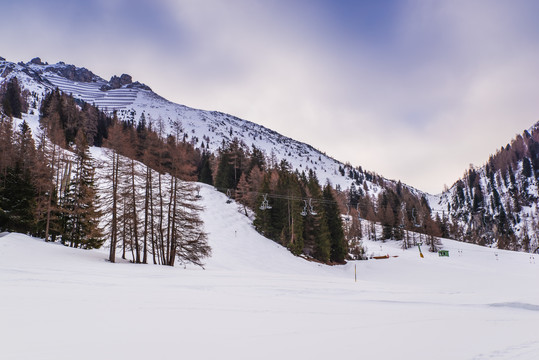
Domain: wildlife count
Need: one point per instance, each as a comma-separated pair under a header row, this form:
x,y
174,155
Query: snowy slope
x,y
114,99
257,301
498,203
208,128
236,246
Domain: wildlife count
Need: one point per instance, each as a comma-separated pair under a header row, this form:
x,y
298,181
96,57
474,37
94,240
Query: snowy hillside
x,y
497,204
114,99
255,300
208,129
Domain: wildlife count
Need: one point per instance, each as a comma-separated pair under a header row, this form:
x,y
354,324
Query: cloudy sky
x,y
415,90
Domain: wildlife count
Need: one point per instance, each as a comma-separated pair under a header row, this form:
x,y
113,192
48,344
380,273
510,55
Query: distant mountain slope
x,y
497,204
133,101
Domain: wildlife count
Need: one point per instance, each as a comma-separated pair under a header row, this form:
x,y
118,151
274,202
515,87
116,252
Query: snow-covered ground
x,y
254,300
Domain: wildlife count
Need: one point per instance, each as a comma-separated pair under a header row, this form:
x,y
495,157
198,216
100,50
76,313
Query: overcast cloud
x,y
413,90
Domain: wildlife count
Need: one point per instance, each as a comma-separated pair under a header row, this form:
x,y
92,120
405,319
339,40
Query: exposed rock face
x,y
124,80
74,73
36,61
8,68
117,82
139,85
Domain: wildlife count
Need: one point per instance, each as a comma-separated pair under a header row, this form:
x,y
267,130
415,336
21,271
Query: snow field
x,y
255,300
110,100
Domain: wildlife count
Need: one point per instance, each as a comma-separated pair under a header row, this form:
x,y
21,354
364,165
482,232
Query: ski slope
x,y
254,300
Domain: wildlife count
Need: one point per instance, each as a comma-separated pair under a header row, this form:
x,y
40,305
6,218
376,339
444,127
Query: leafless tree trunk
x,y
147,205
134,213
161,217
114,221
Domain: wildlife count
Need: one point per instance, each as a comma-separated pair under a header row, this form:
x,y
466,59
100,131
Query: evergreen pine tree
x,y
526,167
256,159
295,220
17,190
205,173
316,227
82,217
17,201
11,101
224,178
339,248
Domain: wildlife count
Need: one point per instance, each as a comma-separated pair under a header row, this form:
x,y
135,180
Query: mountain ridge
x,y
497,203
456,206
201,127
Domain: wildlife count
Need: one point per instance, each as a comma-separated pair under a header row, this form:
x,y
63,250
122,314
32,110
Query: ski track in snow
x,y
527,350
255,300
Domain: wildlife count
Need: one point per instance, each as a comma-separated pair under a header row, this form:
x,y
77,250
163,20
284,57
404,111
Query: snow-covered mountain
x,y
497,204
251,285
209,129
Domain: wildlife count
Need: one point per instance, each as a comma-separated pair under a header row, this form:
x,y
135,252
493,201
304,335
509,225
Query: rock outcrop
x,y
124,80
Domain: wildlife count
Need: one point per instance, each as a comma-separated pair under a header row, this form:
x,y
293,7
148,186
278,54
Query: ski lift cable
x,y
279,196
314,200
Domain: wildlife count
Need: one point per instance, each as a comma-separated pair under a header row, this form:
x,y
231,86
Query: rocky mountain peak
x,y
37,61
124,80
117,82
71,72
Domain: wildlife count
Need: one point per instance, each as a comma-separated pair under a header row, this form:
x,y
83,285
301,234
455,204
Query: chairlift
x,y
311,211
268,206
265,204
304,212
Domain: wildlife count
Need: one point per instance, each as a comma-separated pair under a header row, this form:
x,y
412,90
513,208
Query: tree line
x,y
248,177
328,227
13,101
147,211
490,202
139,199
